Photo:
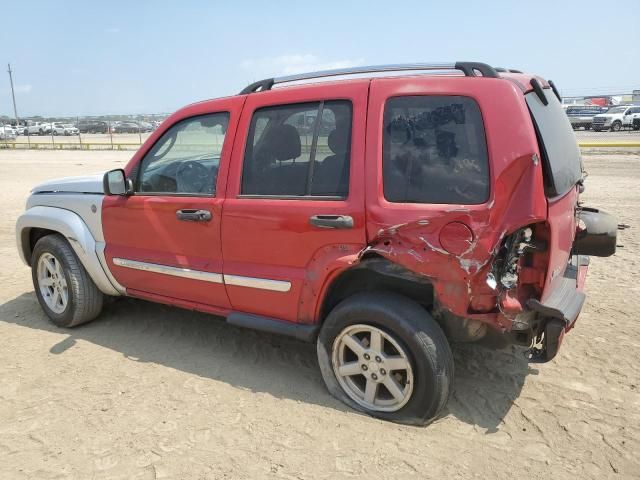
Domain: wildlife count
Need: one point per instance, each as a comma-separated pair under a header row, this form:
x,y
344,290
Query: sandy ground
x,y
148,391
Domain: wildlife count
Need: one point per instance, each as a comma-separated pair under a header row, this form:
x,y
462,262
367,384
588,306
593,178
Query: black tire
x,y
616,126
597,129
85,300
416,331
587,127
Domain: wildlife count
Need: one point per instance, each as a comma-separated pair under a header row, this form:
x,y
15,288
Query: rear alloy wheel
x,y
383,354
616,126
372,368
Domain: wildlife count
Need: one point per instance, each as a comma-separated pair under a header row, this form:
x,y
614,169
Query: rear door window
x,y
561,156
299,150
434,151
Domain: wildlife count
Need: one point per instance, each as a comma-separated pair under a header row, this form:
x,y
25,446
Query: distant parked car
x,y
7,133
93,126
11,129
581,116
126,127
64,129
145,127
616,118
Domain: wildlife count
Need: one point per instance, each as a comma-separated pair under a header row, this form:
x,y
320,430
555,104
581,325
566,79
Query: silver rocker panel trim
x,y
235,280
261,283
167,270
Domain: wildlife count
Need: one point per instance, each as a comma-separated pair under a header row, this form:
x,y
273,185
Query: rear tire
x,y
64,289
413,355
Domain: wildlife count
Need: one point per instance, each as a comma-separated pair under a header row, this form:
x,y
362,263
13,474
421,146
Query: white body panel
x,y
71,206
82,184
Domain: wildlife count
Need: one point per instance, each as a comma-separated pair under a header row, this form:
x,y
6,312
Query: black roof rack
x,y
507,70
468,68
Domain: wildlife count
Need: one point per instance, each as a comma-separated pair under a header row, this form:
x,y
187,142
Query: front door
x,y
295,195
163,242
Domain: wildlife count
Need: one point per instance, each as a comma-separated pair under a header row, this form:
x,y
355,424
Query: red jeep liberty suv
x,y
380,217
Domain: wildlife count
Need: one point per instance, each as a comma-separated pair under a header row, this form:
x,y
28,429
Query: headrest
x,y
284,142
339,141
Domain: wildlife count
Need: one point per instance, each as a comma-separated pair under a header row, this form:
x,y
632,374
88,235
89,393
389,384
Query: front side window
x,y
186,158
299,150
434,151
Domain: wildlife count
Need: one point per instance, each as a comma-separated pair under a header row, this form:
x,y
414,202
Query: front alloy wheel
x,y
52,283
66,292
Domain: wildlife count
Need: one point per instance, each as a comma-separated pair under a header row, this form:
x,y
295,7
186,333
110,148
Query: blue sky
x,y
79,57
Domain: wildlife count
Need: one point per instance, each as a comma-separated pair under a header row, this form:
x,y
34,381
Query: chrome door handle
x,y
331,221
192,215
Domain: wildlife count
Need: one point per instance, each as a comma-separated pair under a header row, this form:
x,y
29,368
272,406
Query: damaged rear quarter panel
x,y
408,233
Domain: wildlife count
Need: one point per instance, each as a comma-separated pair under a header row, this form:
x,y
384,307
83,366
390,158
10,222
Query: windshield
x,y
582,110
561,156
617,110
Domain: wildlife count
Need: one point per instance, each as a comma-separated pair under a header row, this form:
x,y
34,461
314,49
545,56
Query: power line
x,y
13,96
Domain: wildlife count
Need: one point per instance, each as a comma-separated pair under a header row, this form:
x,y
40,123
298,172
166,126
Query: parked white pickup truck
x,y
616,118
37,128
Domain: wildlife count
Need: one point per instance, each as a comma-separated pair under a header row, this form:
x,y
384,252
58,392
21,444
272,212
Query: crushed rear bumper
x,y
560,310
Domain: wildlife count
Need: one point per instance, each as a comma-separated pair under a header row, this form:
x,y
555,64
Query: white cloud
x,y
22,88
112,30
297,63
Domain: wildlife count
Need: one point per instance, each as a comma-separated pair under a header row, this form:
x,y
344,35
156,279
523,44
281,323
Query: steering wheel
x,y
193,177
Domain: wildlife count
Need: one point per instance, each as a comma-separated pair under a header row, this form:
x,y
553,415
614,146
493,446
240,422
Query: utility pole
x,y
13,95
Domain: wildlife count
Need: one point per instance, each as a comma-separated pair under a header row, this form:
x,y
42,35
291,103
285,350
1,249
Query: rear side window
x,y
434,151
561,156
299,150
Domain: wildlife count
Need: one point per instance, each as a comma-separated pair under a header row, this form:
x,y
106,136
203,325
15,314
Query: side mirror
x,y
115,183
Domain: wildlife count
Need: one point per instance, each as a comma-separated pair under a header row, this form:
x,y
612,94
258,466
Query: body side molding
x,y
213,277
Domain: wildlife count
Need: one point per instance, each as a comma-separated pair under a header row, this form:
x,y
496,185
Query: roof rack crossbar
x,y
468,68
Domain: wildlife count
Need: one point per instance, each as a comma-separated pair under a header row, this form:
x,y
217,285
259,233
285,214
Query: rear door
x,y
295,194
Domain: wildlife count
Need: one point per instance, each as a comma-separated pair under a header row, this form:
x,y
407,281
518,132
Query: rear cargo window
x,y
434,151
561,155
